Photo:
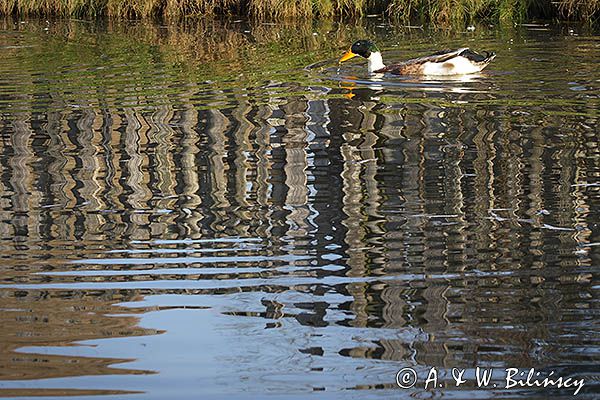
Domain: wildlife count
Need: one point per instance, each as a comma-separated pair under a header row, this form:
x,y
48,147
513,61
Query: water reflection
x,y
232,227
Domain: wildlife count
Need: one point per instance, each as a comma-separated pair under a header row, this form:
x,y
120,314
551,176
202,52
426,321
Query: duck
x,y
446,62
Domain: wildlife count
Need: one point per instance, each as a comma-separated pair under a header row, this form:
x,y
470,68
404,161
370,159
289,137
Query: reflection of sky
x,y
190,353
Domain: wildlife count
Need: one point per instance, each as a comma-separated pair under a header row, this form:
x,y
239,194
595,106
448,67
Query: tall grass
x,y
438,12
267,9
582,9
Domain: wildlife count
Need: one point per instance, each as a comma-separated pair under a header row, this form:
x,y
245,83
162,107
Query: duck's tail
x,y
489,56
480,59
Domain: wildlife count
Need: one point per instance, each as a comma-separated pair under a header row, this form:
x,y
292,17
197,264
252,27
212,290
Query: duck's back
x,y
445,62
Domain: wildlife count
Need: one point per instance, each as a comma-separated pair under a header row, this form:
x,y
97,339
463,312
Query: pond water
x,y
217,210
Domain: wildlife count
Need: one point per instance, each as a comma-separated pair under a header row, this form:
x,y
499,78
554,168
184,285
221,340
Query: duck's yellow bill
x,y
349,54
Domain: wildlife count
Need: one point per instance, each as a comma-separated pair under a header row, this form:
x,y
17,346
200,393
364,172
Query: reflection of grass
x,y
208,63
441,12
141,64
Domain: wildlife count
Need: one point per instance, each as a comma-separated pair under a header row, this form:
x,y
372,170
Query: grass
x,y
437,12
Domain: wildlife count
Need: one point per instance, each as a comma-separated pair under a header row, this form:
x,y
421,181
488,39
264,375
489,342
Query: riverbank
x,y
443,12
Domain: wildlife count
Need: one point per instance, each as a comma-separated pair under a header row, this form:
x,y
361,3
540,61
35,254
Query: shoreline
x,y
410,12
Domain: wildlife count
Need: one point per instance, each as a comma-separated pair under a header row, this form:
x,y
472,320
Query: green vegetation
x,y
438,12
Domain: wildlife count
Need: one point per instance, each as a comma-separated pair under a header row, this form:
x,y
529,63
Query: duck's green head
x,y
362,48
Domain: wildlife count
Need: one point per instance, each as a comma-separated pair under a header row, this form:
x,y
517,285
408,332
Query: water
x,y
217,210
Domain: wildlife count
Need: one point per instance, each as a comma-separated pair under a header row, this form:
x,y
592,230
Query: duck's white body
x,y
375,62
457,66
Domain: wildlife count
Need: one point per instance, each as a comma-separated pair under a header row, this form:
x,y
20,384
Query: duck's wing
x,y
443,62
440,56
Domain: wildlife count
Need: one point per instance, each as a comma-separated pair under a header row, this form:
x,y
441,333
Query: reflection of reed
x,y
468,185
218,125
355,192
216,171
190,148
21,182
295,169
